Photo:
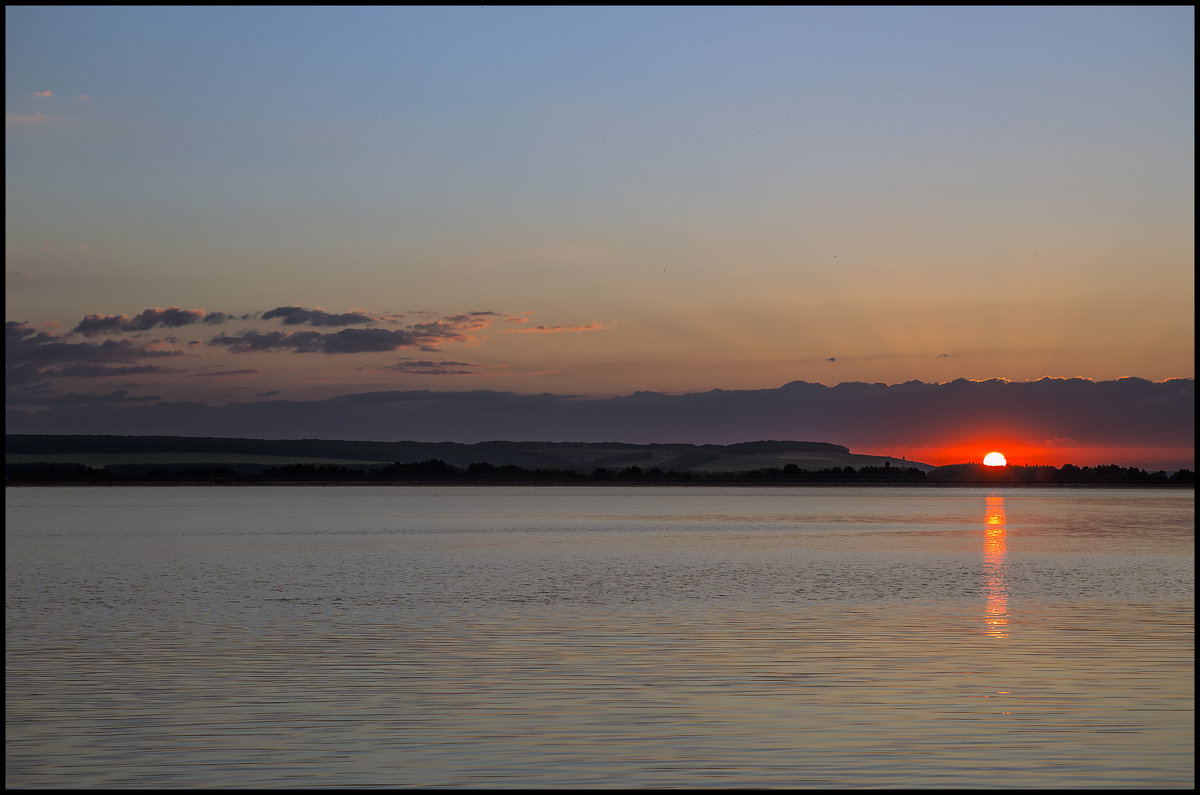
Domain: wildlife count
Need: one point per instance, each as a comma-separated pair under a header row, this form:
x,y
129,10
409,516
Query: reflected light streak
x,y
995,567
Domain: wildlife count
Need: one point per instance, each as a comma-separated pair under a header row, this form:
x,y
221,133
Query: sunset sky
x,y
221,205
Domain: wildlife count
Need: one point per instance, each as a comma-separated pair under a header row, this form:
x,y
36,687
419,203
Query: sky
x,y
225,207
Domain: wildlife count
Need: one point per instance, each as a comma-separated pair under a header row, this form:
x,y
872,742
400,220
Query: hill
x,y
132,453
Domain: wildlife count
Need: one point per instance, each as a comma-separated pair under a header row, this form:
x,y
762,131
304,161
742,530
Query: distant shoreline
x,y
733,484
172,460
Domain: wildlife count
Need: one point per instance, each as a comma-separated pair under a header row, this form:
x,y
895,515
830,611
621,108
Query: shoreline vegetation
x,y
117,460
1110,476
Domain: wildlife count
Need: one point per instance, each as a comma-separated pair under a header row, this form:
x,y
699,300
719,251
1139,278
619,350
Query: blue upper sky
x,y
676,198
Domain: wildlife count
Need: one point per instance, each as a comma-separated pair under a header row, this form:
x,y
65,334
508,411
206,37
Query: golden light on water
x,y
995,567
995,460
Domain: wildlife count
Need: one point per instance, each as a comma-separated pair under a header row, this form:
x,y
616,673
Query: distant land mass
x,y
115,460
250,456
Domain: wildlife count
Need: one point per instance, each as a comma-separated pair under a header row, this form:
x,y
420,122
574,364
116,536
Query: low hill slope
x,y
101,451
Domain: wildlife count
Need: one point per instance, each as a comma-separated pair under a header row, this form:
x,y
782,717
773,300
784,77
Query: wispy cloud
x,y
594,325
43,94
73,401
223,373
429,367
22,120
80,370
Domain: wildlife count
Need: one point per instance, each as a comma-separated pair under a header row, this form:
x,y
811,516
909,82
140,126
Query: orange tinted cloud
x,y
43,93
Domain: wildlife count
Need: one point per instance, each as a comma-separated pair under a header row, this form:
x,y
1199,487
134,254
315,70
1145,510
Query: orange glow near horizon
x,y
1053,453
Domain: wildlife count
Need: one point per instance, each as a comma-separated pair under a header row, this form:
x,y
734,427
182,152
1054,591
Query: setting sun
x,y
994,460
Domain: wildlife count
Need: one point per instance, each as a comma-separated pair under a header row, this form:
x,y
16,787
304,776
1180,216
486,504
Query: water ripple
x,y
660,644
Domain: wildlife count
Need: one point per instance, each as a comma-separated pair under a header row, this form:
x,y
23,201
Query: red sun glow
x,y
994,460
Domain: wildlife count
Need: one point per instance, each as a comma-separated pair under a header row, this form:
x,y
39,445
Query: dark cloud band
x,y
297,315
368,340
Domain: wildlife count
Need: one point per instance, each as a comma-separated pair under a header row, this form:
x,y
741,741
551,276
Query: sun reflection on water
x,y
995,567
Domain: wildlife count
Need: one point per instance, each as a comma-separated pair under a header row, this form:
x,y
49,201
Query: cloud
x,y
73,401
427,333
297,315
25,344
83,370
594,325
20,120
84,97
43,94
256,341
31,355
223,373
171,317
20,329
294,315
459,328
368,340
428,367
424,335
473,319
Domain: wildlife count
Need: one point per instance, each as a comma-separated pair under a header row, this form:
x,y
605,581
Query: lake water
x,y
599,637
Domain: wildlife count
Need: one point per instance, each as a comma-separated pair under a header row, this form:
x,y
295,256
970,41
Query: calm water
x,y
599,637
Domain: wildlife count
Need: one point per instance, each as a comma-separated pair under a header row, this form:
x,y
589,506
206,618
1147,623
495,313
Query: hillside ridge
x,y
102,450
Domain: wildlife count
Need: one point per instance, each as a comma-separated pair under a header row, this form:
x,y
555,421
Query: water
x,y
599,637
